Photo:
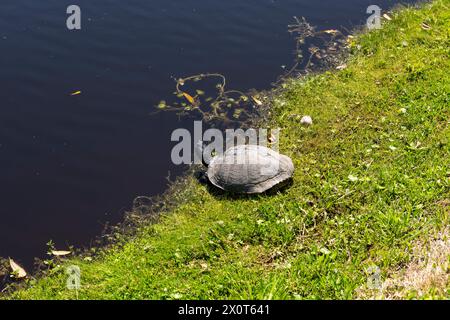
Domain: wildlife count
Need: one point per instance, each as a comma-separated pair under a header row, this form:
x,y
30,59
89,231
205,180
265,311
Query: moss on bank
x,y
372,179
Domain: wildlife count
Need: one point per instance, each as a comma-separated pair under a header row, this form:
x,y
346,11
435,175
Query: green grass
x,y
316,239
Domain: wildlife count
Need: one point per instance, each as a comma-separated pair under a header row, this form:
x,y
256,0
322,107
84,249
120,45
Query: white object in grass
x,y
306,120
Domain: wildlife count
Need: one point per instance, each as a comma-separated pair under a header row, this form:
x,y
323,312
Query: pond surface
x,y
69,164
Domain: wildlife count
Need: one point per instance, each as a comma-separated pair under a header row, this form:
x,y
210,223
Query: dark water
x,y
68,164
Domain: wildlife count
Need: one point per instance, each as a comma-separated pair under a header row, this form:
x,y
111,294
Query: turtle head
x,y
198,149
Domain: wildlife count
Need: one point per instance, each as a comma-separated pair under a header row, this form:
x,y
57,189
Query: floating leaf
x,y
75,93
60,253
331,31
18,271
162,105
189,98
200,92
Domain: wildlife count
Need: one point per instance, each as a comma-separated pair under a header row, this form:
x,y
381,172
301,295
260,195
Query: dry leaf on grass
x,y
18,271
257,101
425,26
60,253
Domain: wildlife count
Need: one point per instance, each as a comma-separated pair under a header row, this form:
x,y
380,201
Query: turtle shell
x,y
249,169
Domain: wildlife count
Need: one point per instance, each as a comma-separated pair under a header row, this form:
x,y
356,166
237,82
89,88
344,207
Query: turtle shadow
x,y
218,193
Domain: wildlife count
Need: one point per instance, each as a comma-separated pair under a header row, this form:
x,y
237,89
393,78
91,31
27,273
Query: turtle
x,y
249,169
